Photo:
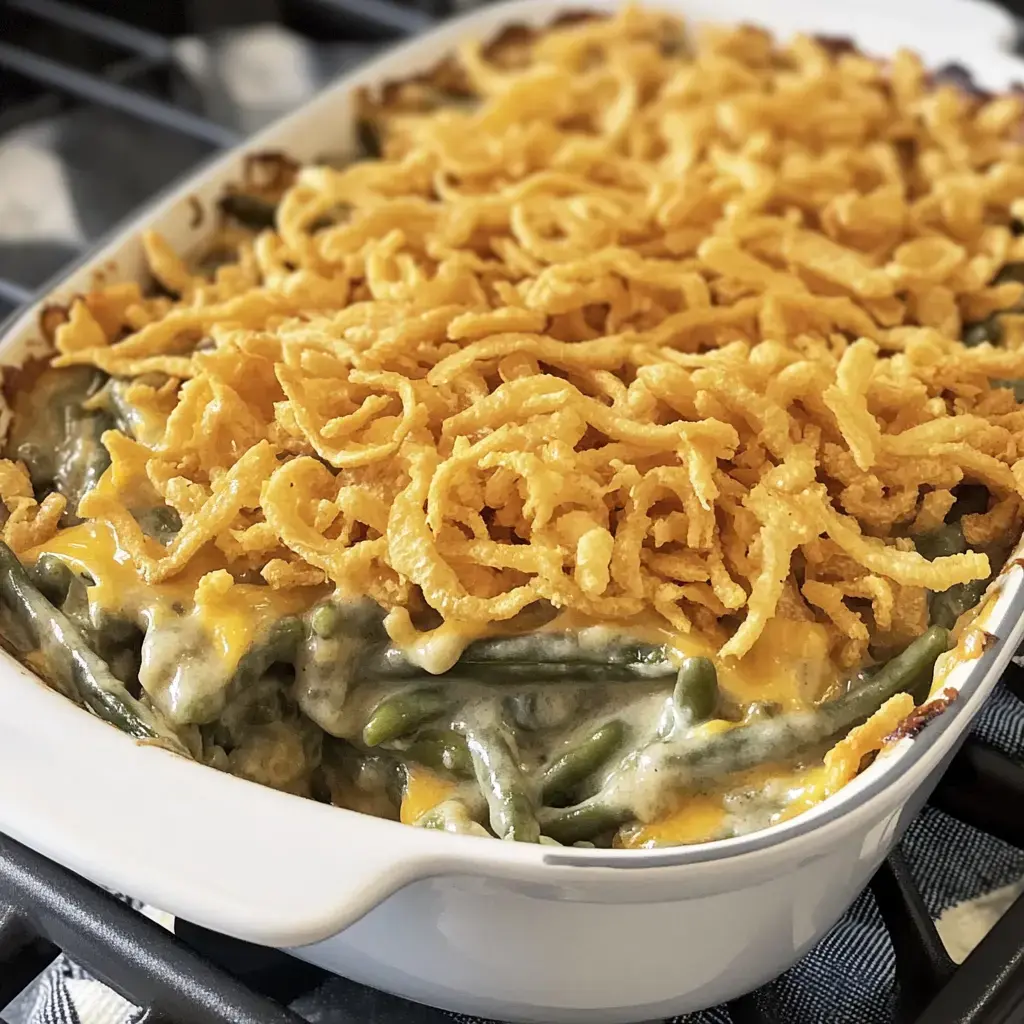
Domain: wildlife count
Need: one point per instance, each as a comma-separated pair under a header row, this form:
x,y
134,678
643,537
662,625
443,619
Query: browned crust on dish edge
x,y
912,725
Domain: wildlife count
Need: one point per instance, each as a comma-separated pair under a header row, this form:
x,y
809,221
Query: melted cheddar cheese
x,y
423,792
789,665
730,809
694,821
197,626
233,619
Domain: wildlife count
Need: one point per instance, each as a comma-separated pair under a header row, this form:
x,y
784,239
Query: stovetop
x,y
103,104
99,111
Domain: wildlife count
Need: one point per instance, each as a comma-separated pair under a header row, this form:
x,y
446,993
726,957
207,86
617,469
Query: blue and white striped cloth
x,y
848,978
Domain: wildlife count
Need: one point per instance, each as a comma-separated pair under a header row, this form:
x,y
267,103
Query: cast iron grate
x,y
118,55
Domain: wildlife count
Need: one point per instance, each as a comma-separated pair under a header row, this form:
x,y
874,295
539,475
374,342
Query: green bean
x,y
326,620
199,701
947,606
57,438
52,578
988,331
569,648
946,540
547,707
127,418
560,672
82,459
784,737
130,419
536,658
260,703
362,620
162,523
47,420
250,211
118,641
451,816
706,759
78,668
696,691
323,669
500,778
440,749
387,661
327,660
16,638
570,825
368,136
401,713
279,645
76,607
580,761
108,633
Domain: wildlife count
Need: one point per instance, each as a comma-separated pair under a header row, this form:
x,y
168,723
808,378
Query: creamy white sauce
x,y
180,671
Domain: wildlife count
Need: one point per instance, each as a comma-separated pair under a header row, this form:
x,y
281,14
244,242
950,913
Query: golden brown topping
x,y
637,330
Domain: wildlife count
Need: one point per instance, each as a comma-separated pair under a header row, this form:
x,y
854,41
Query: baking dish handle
x,y
224,853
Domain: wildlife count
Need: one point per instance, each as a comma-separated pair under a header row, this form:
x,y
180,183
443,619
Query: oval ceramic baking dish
x,y
509,930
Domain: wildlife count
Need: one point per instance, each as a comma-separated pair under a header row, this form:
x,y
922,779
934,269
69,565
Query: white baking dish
x,y
506,930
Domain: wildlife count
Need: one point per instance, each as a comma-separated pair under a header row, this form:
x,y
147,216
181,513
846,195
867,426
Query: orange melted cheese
x,y
695,821
423,792
232,620
789,665
972,641
701,818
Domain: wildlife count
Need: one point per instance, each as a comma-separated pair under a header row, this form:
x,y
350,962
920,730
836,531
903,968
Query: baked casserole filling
x,y
612,454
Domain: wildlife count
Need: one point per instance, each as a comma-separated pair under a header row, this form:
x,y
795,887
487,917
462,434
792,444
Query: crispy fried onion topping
x,y
635,327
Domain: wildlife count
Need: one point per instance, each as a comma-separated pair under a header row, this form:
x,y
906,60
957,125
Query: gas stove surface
x,y
101,106
100,111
